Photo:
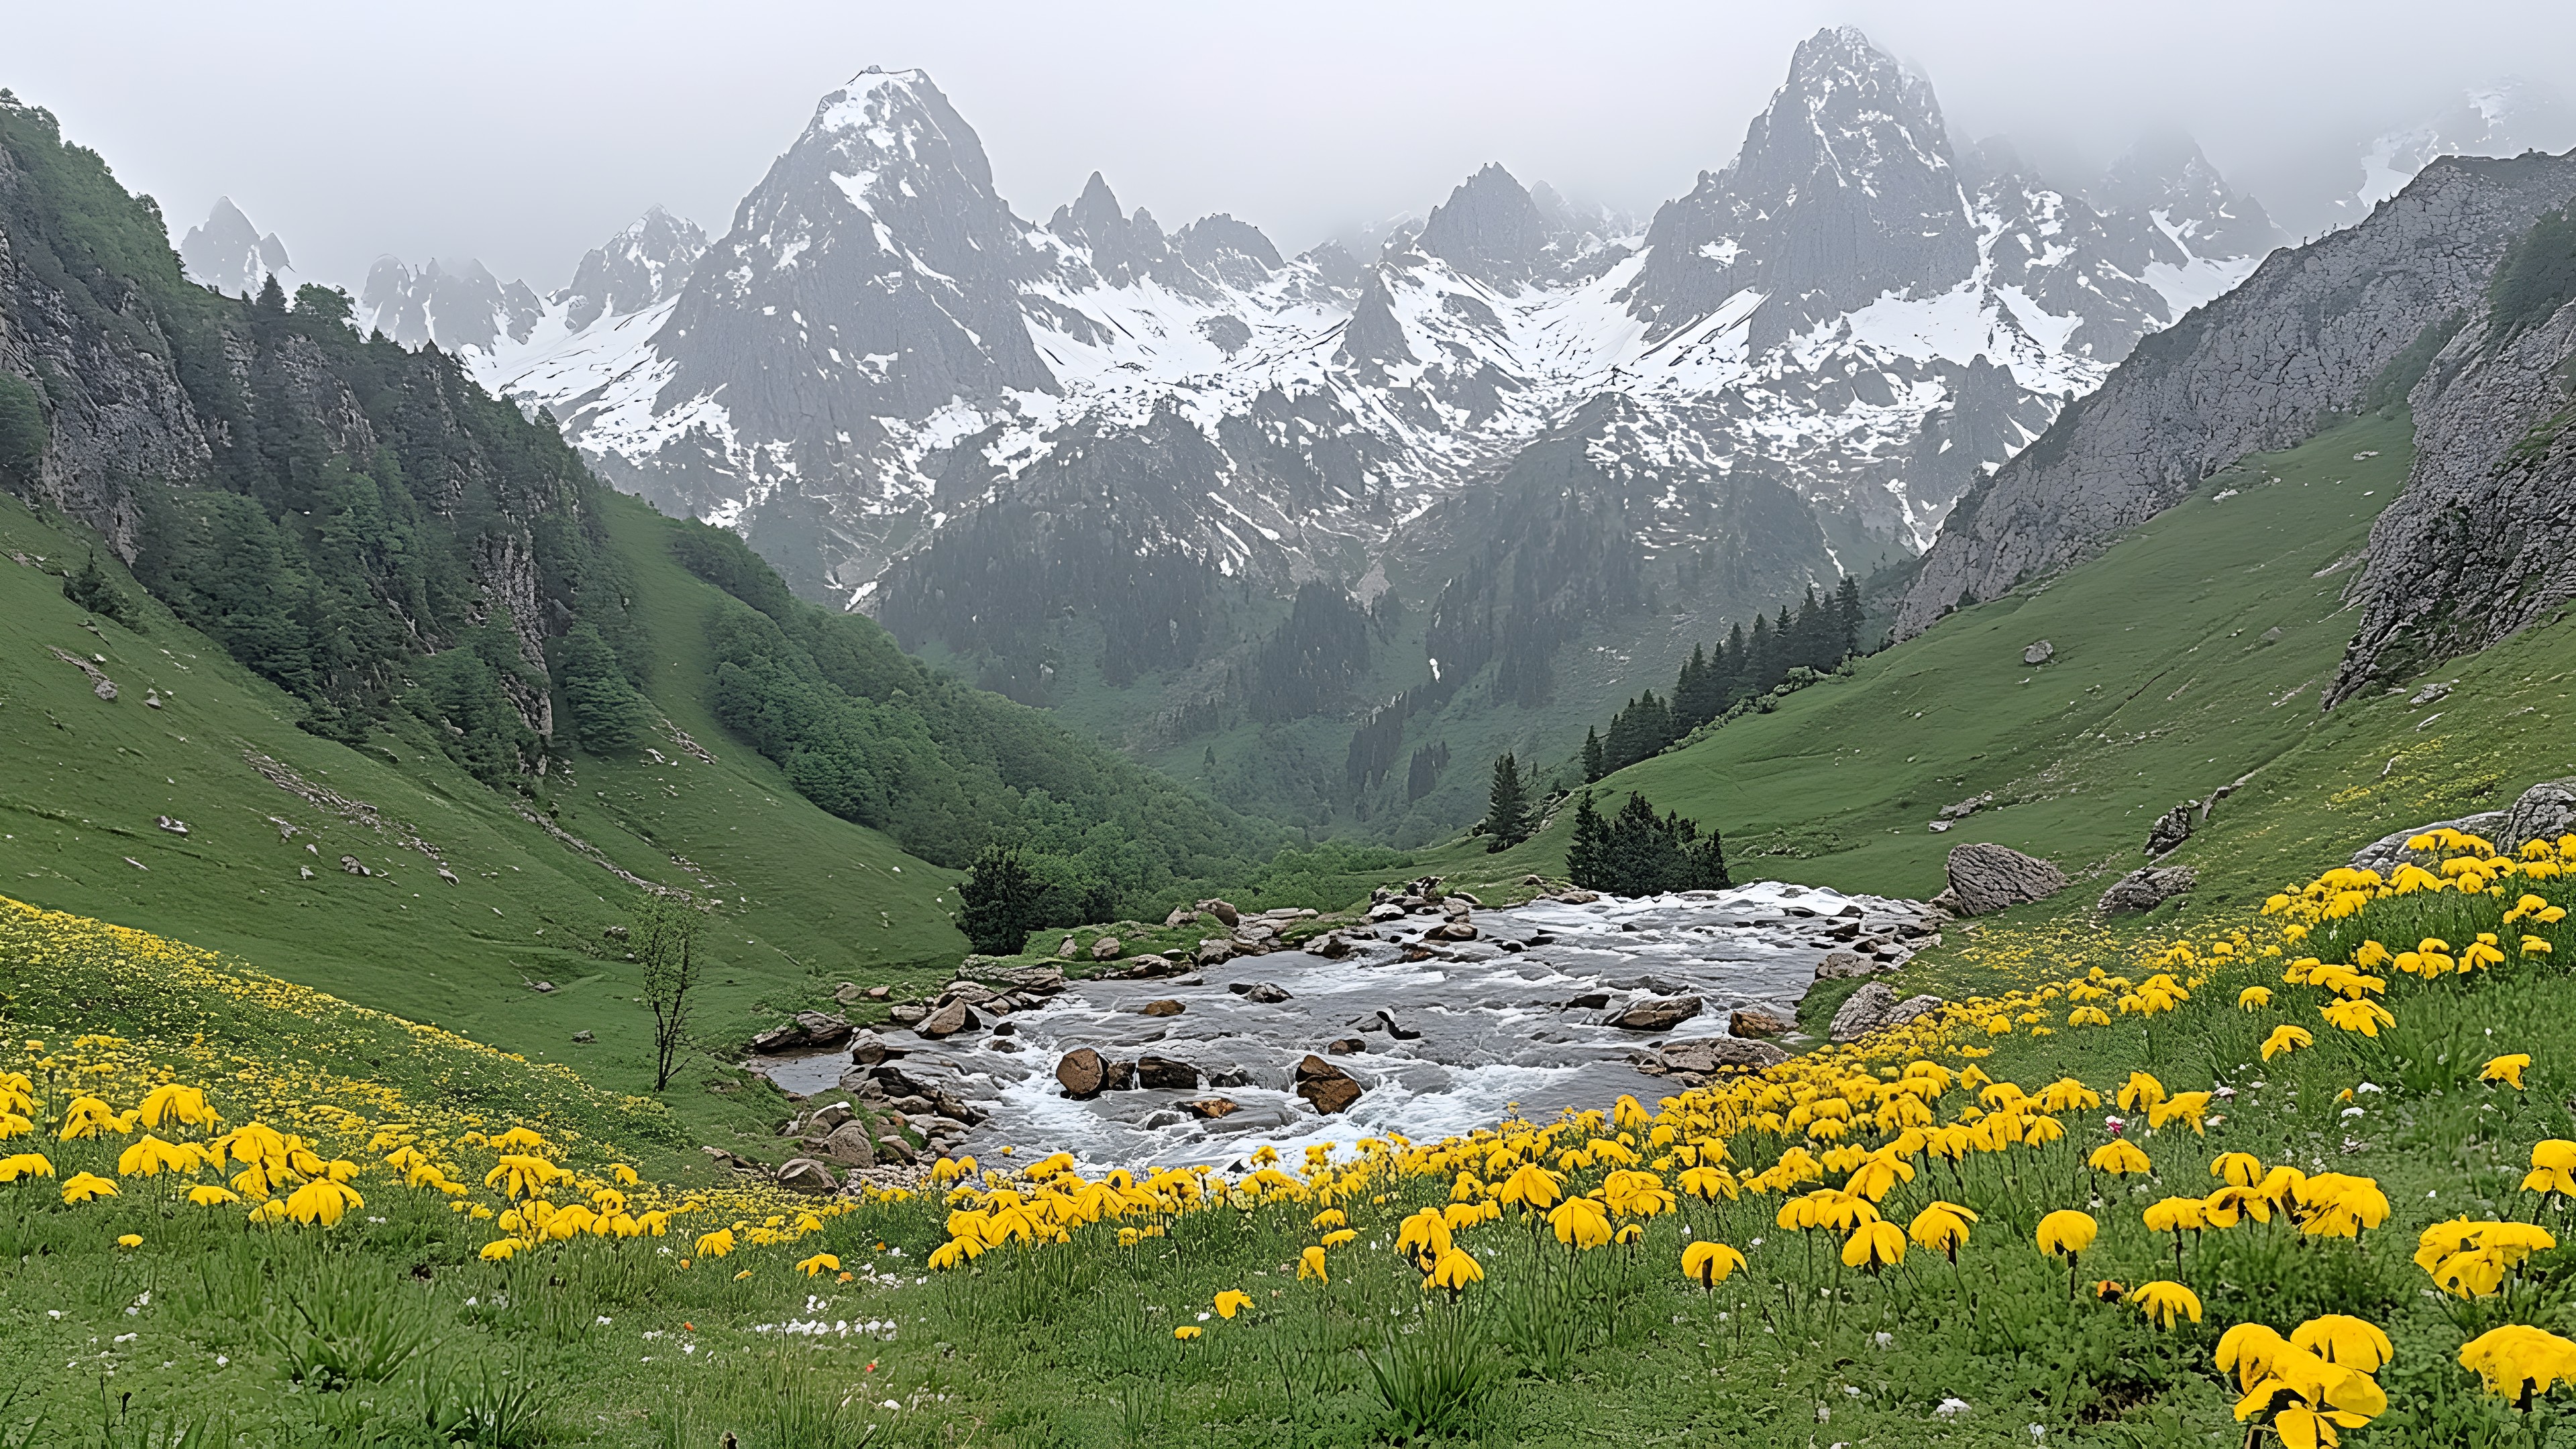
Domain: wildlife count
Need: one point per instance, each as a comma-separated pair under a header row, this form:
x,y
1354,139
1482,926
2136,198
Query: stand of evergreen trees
x,y
1820,636
1638,853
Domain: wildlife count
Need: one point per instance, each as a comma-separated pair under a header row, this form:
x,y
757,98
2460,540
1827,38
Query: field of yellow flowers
x,y
2303,1182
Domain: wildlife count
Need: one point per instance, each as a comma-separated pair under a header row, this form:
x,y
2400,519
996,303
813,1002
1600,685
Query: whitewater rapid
x,y
1510,1022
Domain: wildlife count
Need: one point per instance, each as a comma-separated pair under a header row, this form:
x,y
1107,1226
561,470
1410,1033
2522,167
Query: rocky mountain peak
x,y
230,255
1124,250
638,267
1490,228
457,307
1229,251
1844,190
2165,178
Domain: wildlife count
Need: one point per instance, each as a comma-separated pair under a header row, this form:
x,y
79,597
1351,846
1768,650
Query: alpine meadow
x,y
1922,792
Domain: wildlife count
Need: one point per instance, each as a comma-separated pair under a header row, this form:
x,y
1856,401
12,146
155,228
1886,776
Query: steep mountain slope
x,y
2308,336
1022,445
270,811
361,526
2187,659
2483,541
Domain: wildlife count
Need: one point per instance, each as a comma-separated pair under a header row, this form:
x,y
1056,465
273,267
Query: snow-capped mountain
x,y
467,311
460,307
230,255
880,343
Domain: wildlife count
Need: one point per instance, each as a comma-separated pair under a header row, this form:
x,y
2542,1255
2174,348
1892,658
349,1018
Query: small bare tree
x,y
666,940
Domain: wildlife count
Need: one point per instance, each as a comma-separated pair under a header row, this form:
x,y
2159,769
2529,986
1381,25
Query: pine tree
x,y
1594,765
1507,808
1848,614
1583,860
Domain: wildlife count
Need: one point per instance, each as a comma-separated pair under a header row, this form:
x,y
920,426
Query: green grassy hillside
x,y
809,900
2188,657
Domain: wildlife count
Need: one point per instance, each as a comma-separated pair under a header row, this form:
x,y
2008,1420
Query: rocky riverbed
x,y
1430,1018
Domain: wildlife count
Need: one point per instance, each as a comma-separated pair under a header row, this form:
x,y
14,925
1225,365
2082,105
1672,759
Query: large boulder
x,y
1211,1108
949,1020
1843,965
2390,851
1105,949
804,1174
1750,1022
2170,830
1164,1007
1986,877
1268,993
1082,1073
1656,1013
2546,811
1863,1012
808,1031
1327,1087
1913,1009
851,1146
1163,1072
2146,889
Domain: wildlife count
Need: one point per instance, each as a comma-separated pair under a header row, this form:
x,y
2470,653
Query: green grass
x,y
2189,657
809,900
1075,1344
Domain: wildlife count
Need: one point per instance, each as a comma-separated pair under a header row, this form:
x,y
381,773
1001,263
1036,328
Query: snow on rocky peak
x,y
231,256
879,346
462,308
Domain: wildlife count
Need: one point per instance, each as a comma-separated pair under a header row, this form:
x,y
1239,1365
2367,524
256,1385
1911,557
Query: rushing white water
x,y
1491,1030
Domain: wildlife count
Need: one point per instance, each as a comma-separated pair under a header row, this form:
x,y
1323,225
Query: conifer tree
x,y
1507,808
1594,765
1847,608
1583,861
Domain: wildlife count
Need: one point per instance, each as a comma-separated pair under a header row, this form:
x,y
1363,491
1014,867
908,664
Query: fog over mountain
x,y
442,140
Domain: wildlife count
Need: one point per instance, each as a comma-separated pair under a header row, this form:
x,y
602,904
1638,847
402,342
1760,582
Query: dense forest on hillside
x,y
362,525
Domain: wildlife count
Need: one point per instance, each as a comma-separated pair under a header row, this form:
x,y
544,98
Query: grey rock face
x,y
1843,965
2304,336
1844,189
1489,228
1985,877
640,266
2546,811
1657,1013
877,234
2145,889
1862,1012
229,254
2170,830
455,305
2482,542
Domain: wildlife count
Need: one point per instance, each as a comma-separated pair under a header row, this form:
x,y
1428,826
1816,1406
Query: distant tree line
x,y
1638,853
1744,666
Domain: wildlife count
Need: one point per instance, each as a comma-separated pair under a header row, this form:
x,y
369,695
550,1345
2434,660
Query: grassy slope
x,y
84,779
2167,683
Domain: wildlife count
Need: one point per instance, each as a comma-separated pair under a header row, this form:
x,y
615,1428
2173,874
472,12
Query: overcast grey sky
x,y
523,133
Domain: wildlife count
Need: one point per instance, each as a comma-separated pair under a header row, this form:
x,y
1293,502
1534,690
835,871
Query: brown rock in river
x,y
1082,1073
1327,1087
